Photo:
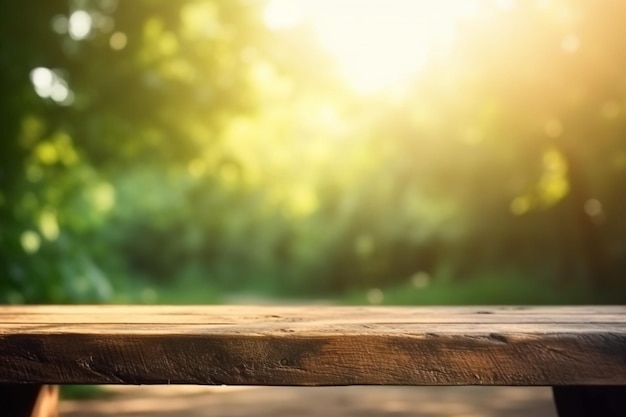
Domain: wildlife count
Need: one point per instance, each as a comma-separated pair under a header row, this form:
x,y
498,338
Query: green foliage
x,y
184,145
505,288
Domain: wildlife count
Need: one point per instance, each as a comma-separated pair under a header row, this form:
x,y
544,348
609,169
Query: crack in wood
x,y
500,338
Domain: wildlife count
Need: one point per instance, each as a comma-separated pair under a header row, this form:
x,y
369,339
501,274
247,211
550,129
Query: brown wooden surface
x,y
313,345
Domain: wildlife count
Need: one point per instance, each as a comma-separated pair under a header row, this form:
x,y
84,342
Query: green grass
x,y
486,288
83,392
490,289
179,292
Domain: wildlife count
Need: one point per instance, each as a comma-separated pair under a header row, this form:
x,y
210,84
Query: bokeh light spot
x,y
103,196
43,79
80,24
48,225
593,207
118,41
520,205
60,24
420,279
30,241
553,128
48,84
375,296
59,92
46,153
570,43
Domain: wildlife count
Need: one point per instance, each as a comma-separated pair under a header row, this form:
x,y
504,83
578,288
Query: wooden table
x,y
579,350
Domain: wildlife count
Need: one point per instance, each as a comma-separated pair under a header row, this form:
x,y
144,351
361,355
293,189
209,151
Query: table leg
x,y
590,400
28,400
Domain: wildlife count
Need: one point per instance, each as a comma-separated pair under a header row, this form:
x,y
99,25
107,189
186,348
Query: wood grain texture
x,y
313,345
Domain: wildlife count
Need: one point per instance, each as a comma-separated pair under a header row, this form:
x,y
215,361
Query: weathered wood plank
x,y
321,329
263,314
310,309
313,345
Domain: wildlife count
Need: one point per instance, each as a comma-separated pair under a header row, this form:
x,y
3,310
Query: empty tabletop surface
x,y
313,345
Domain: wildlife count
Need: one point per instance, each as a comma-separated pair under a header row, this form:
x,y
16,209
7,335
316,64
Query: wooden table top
x,y
313,345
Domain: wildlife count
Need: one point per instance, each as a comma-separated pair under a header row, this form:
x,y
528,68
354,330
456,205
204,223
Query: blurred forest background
x,y
469,151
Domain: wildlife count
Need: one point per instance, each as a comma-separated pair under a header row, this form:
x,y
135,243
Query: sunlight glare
x,y
283,14
377,44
